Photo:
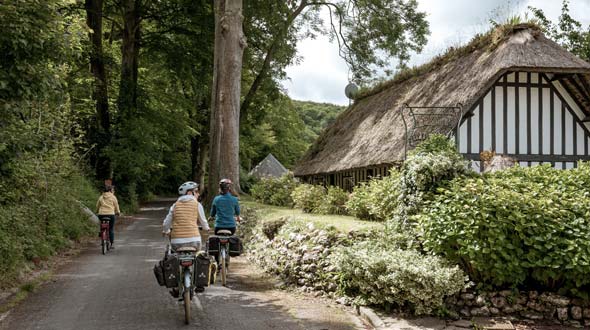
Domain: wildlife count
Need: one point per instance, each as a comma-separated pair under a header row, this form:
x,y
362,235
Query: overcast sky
x,y
322,75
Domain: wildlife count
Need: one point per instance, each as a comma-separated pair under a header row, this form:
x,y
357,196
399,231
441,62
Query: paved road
x,y
119,291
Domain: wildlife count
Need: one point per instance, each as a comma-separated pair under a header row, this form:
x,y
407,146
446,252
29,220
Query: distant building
x,y
511,91
269,167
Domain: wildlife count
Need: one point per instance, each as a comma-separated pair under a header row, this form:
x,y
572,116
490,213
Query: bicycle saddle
x,y
223,232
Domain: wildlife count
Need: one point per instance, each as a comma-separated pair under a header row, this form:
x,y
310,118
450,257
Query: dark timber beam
x,y
536,158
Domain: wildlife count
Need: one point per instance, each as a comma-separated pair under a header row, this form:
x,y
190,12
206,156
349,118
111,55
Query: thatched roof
x,y
371,131
269,167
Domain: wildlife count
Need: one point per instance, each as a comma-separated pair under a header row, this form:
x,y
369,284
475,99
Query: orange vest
x,y
184,220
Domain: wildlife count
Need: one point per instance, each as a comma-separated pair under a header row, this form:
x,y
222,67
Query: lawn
x,y
343,223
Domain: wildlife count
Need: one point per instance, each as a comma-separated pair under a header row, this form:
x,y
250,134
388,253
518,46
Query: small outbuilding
x,y
511,91
269,167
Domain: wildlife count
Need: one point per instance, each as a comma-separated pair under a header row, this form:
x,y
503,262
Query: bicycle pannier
x,y
213,245
171,267
235,246
159,273
202,270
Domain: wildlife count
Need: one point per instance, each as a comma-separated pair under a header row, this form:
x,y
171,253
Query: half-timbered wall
x,y
348,179
528,117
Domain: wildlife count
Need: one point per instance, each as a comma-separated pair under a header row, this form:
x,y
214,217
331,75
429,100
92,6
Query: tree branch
x,y
267,60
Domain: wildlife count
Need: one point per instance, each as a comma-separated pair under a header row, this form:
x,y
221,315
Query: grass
x,y
343,223
23,291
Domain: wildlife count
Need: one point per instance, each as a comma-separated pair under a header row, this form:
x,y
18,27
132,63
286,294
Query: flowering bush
x,y
275,191
433,163
394,277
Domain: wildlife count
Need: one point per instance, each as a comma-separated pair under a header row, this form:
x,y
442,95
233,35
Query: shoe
x,y
199,289
174,292
112,246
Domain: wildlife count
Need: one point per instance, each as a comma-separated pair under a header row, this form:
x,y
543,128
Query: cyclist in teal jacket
x,y
225,208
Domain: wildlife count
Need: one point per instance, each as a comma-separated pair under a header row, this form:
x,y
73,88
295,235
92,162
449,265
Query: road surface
x,y
119,291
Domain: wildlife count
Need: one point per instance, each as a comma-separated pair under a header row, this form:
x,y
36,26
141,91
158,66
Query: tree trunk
x,y
199,155
127,100
225,106
100,94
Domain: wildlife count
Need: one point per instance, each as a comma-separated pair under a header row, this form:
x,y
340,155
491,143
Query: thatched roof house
x,y
269,167
515,91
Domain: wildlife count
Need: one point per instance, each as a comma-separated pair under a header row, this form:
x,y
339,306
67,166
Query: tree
x,y
225,106
568,32
94,13
367,31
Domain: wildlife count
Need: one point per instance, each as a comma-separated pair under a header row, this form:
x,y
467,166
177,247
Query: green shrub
x,y
308,197
275,191
519,226
396,278
358,205
377,199
434,162
333,202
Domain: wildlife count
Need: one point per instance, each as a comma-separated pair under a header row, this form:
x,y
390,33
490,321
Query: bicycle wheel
x,y
223,270
104,246
187,305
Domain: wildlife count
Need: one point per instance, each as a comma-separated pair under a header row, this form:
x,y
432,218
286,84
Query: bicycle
x,y
104,234
223,261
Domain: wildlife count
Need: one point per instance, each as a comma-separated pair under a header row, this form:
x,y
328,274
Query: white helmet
x,y
187,186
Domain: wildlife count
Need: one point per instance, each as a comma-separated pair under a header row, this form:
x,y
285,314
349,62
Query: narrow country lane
x,y
119,291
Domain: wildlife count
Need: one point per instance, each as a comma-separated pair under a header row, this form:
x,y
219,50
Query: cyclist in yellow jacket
x,y
108,206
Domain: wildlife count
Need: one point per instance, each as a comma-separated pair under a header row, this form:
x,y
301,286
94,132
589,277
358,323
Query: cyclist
x,y
184,216
225,208
107,206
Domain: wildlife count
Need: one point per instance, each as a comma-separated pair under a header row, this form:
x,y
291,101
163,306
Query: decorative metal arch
x,y
421,122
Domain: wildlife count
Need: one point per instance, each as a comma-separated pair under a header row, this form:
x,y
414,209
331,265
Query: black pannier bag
x,y
213,247
202,267
235,246
159,273
171,267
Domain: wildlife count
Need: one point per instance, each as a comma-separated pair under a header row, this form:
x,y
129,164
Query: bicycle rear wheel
x,y
187,305
223,270
104,246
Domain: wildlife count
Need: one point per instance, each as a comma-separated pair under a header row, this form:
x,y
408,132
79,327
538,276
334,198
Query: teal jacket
x,y
224,208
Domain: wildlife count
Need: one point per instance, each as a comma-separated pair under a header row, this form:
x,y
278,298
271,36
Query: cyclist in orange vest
x,y
184,218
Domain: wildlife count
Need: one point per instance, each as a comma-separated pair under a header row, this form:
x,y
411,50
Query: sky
x,y
321,75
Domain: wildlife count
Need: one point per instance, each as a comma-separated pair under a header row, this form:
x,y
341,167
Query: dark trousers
x,y
111,225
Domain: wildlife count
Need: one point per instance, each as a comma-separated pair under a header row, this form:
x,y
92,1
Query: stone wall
x,y
530,305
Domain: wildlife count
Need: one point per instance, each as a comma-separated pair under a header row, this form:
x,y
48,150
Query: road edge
x,y
370,317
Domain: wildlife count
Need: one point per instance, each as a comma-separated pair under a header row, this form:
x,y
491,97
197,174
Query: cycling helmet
x,y
187,186
224,184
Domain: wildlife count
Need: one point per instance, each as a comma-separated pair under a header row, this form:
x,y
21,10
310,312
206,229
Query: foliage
x,y
316,116
431,164
522,226
275,191
401,278
568,32
358,204
333,202
376,199
308,197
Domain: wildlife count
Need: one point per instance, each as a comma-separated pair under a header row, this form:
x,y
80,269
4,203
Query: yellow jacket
x,y
107,204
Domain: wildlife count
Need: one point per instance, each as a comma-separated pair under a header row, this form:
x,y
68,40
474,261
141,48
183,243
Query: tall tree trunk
x,y
225,106
127,100
100,94
199,155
